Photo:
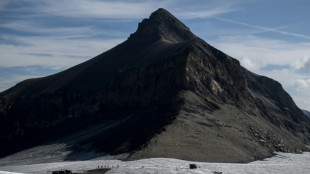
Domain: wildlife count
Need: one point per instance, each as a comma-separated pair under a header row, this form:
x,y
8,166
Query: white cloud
x,y
303,65
52,51
246,62
287,77
303,84
261,51
302,102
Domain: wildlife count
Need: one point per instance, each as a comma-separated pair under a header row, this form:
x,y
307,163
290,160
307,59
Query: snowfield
x,y
282,163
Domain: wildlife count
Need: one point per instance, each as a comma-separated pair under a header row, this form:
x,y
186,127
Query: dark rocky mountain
x,y
306,112
164,92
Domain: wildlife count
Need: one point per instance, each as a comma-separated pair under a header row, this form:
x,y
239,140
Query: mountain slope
x,y
171,95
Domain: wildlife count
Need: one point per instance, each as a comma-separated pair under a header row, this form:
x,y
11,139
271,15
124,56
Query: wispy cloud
x,y
30,27
119,9
206,13
265,28
62,52
92,8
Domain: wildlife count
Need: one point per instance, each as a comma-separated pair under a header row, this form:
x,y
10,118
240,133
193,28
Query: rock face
x,y
162,93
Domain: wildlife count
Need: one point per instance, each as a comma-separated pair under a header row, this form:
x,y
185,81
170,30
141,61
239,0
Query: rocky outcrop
x,y
168,93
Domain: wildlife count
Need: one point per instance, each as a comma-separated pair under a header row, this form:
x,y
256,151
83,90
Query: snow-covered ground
x,y
281,163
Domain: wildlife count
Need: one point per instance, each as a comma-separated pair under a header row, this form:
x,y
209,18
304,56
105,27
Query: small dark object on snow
x,y
217,172
64,171
192,166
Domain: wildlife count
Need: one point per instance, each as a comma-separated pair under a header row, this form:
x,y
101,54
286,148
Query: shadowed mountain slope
x,y
168,94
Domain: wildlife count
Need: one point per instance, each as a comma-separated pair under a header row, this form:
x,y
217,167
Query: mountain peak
x,y
161,13
162,25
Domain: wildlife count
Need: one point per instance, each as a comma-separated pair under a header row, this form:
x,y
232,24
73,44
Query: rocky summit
x,y
164,92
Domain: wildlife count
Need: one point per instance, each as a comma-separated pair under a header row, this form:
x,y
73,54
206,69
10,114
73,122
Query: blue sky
x,y
269,37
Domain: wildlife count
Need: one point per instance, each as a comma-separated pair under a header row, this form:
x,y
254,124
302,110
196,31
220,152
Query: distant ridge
x,y
306,112
164,92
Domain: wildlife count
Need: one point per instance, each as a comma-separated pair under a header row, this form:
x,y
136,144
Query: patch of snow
x,y
4,172
39,154
282,163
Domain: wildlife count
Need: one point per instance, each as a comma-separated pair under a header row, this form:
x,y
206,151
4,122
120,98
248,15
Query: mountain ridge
x,y
172,95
